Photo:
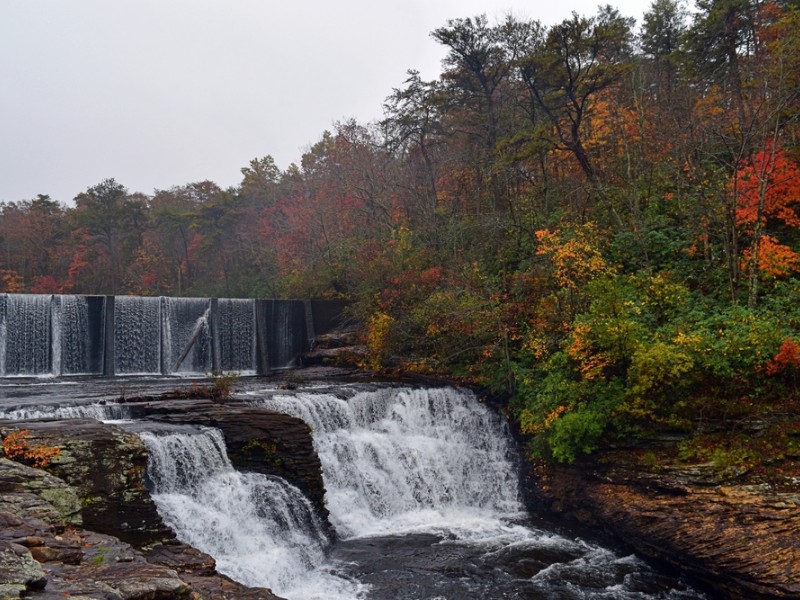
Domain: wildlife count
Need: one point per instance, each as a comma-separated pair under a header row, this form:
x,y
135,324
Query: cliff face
x,y
87,527
741,541
257,440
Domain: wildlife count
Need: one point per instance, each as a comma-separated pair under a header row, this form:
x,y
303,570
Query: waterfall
x,y
261,530
286,328
133,335
137,335
25,335
235,335
108,411
421,487
70,337
185,323
405,460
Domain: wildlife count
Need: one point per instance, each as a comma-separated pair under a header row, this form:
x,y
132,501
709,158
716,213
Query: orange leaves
x,y
11,281
17,446
768,190
574,254
772,180
590,363
788,357
775,259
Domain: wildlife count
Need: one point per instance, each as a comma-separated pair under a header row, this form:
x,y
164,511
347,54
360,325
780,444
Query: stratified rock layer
x,y
105,466
45,550
741,541
257,440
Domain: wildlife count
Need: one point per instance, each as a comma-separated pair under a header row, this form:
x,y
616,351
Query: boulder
x,y
20,573
105,466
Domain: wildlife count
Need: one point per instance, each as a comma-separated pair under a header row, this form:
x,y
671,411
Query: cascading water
x,y
261,530
421,486
137,335
59,335
235,335
25,335
70,338
396,461
187,335
286,327
107,411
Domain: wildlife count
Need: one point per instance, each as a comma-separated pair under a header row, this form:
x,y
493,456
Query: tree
x,y
478,65
722,31
663,28
261,177
35,238
412,129
768,193
580,58
114,221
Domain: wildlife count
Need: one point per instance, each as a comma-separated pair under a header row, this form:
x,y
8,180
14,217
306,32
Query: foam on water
x,y
102,412
261,530
410,460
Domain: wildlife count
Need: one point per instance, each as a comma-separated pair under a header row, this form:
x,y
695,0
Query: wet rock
x,y
104,465
139,581
46,554
740,541
36,493
19,571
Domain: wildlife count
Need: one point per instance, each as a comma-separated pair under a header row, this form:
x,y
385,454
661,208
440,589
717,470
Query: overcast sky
x,y
157,93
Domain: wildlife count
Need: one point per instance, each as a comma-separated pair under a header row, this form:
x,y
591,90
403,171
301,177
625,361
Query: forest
x,y
597,221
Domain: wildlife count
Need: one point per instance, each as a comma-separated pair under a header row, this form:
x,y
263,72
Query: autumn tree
x,y
110,222
580,57
35,242
768,201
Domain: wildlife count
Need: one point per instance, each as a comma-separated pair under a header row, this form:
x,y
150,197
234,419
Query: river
x,y
422,487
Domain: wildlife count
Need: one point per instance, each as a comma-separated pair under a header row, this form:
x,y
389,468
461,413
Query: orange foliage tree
x,y
768,198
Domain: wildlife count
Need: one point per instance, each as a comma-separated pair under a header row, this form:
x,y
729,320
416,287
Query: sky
x,y
159,93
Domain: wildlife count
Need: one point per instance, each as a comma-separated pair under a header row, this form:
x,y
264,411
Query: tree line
x,y
599,222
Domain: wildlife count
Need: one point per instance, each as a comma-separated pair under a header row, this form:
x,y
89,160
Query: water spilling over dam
x,y
54,335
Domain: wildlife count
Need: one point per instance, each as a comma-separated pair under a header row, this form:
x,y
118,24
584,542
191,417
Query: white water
x,y
410,460
402,461
186,319
137,339
261,530
395,462
70,335
286,335
101,412
235,335
25,336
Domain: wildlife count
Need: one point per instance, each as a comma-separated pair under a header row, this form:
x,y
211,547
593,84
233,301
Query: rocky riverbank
x,y
85,525
737,539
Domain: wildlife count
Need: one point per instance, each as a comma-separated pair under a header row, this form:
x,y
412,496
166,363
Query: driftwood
x,y
197,331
